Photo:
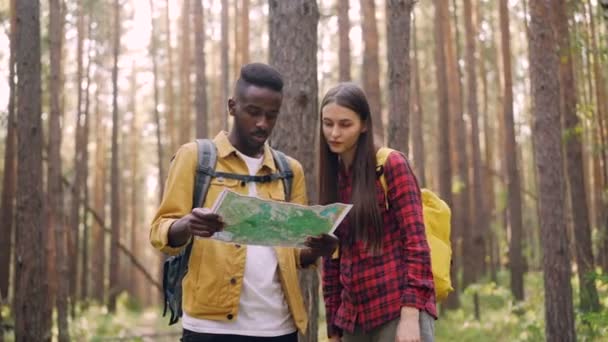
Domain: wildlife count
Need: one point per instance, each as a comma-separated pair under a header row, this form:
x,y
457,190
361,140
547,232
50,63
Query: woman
x,y
378,286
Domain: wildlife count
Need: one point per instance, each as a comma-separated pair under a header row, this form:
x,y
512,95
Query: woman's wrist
x,y
409,312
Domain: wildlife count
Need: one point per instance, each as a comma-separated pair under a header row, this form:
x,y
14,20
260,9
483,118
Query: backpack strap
x,y
207,158
248,178
205,170
285,172
381,157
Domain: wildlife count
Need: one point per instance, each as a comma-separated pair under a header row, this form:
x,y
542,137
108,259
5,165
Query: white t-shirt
x,y
263,310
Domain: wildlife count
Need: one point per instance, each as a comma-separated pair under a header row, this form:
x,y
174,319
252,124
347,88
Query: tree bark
x,y
488,134
134,224
343,36
56,216
85,275
74,236
574,163
171,112
371,67
29,258
236,34
443,145
477,232
244,40
460,159
398,14
516,261
419,159
185,109
544,71
293,42
10,167
98,258
488,184
200,100
159,144
115,214
600,115
225,68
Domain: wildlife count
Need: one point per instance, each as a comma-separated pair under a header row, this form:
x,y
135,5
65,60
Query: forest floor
x,y
500,319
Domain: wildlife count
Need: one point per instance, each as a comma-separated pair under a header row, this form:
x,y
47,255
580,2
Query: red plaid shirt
x,y
366,290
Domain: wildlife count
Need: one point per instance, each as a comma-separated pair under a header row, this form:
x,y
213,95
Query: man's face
x,y
255,111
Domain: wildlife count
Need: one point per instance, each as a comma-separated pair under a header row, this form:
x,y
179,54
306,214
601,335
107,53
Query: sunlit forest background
x,y
108,90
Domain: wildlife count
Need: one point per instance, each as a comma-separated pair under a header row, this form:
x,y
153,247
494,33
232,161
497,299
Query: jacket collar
x,y
225,148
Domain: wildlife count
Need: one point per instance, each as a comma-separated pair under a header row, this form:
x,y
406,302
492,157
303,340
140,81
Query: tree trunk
x,y
600,115
134,223
29,258
10,168
244,40
200,100
544,71
85,275
516,261
417,115
170,111
98,257
293,41
225,68
398,14
371,67
56,216
74,236
185,109
488,184
343,35
236,34
461,232
159,145
488,134
478,229
443,145
114,255
574,163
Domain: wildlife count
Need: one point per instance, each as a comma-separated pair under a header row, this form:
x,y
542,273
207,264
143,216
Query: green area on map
x,y
255,221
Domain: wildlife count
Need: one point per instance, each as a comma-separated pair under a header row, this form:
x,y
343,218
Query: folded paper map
x,y
256,221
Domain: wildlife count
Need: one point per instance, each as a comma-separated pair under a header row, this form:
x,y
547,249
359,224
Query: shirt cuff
x,y
414,298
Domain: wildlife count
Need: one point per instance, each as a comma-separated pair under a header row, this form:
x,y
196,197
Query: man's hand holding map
x,y
255,221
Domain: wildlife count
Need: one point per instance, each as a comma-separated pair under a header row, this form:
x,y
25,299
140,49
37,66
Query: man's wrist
x,y
308,257
178,234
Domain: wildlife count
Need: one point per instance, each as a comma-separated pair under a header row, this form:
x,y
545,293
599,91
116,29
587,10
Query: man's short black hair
x,y
260,75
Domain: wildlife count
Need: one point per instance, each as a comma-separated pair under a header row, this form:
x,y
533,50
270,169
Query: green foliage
x,y
504,320
6,321
457,185
129,322
594,325
501,318
569,134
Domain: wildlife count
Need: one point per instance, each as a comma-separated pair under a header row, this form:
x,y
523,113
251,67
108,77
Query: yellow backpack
x,y
437,226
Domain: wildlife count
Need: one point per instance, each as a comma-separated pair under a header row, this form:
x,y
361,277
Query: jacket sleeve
x,y
177,198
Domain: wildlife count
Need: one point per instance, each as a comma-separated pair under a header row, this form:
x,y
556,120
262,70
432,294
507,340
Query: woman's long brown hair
x,y
365,217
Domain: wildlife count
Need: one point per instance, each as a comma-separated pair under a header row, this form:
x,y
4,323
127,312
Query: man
x,y
233,292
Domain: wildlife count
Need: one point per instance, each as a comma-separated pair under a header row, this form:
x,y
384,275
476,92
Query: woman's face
x,y
341,128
